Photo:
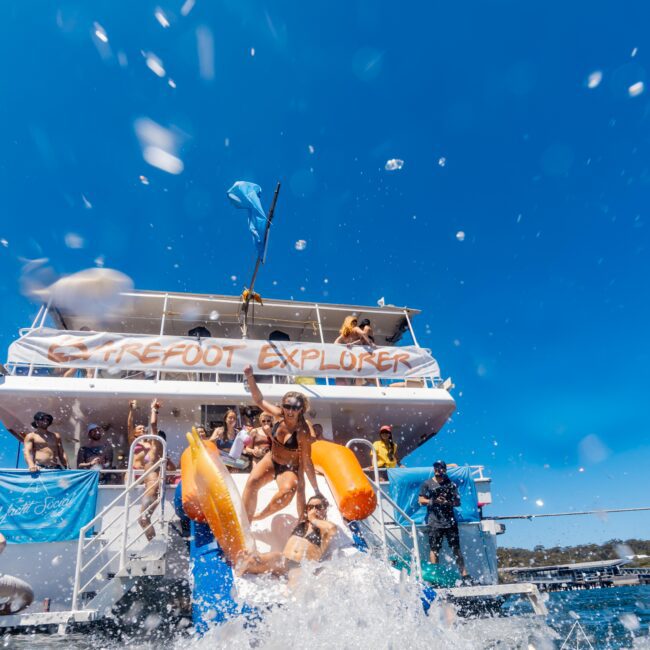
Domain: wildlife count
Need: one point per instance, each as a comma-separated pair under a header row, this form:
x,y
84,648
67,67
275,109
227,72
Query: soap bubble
x,y
460,235
592,450
214,315
539,503
300,245
393,164
442,161
144,180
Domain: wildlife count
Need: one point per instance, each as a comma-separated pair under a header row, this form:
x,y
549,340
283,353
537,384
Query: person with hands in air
x,y
290,457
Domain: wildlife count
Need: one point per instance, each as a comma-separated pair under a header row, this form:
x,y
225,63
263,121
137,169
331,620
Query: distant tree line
x,y
541,556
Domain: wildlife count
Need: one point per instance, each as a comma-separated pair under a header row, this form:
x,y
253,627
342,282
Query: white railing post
x,y
162,326
380,503
322,338
77,573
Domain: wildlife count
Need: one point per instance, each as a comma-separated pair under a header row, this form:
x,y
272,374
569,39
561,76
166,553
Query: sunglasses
x,y
266,421
291,407
316,506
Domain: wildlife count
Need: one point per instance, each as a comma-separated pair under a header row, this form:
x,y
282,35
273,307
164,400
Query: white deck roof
x,y
143,311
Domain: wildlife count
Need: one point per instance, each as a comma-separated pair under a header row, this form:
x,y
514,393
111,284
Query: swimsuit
x,y
54,466
285,449
313,536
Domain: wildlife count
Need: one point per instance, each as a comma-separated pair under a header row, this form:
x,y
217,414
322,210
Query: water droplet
x,y
99,261
73,240
252,51
214,315
144,180
87,204
56,560
629,621
188,5
393,164
539,503
233,278
154,64
171,83
442,161
594,79
100,33
460,235
311,148
4,242
300,245
634,52
636,89
161,18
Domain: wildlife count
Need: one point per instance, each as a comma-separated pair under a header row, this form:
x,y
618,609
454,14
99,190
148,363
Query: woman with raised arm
x,y
290,457
145,456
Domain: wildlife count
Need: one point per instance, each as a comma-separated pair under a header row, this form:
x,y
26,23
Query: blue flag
x,y
50,506
246,195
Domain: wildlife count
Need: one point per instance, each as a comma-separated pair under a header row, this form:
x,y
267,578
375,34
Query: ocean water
x,y
351,605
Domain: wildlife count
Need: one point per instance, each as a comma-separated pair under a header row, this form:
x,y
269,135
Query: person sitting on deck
x,y
386,449
43,449
309,541
290,457
95,454
351,334
440,496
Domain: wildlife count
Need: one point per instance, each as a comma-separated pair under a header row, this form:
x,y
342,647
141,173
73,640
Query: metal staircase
x,y
110,562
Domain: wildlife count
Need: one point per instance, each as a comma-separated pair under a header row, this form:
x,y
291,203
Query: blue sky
x,y
540,314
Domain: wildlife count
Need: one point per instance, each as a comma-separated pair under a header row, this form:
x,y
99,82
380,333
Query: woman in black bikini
x,y
309,540
290,457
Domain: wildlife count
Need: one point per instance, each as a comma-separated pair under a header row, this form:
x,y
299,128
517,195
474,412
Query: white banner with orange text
x,y
114,351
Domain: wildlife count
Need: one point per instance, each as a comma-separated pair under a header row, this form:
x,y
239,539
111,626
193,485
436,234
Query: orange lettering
x,y
173,351
308,355
133,348
383,361
353,359
151,353
267,351
230,349
327,366
401,358
289,358
197,358
55,352
217,356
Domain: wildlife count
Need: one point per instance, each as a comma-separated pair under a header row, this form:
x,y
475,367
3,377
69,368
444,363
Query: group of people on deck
x,y
277,449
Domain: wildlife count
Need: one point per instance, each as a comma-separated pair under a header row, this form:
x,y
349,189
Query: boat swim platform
x,y
492,596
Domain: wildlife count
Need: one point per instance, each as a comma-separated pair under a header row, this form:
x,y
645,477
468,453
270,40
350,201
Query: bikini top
x,y
291,444
312,536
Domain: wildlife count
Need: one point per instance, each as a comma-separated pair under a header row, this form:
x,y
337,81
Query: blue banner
x,y
48,506
404,488
246,195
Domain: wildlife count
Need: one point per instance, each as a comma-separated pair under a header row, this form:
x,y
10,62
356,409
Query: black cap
x,y
40,415
441,464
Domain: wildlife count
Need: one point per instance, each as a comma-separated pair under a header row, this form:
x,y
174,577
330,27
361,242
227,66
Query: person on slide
x,y
309,541
290,457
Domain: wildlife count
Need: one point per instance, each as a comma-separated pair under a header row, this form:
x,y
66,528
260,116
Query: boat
x,y
188,351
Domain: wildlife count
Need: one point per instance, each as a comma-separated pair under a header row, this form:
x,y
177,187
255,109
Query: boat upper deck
x,y
189,351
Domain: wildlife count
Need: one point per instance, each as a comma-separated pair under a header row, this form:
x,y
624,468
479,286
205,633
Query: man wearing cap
x,y
385,448
95,454
43,449
440,496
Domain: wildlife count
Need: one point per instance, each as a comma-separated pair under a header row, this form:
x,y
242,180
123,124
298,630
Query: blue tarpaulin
x,y
404,487
246,195
48,506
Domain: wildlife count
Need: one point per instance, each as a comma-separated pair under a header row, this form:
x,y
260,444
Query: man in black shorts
x,y
440,496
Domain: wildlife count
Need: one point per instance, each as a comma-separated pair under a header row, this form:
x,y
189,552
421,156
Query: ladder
x,y
110,560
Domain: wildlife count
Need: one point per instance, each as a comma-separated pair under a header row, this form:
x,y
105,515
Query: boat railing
x,y
406,543
80,371
112,547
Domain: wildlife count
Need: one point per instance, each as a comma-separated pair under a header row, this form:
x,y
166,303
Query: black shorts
x,y
436,535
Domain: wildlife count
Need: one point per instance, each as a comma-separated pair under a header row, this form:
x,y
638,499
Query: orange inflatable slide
x,y
210,495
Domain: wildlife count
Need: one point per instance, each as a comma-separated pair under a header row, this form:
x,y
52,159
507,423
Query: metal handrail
x,y
160,467
373,451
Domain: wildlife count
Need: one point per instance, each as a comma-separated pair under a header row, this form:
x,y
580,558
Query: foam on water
x,y
358,603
